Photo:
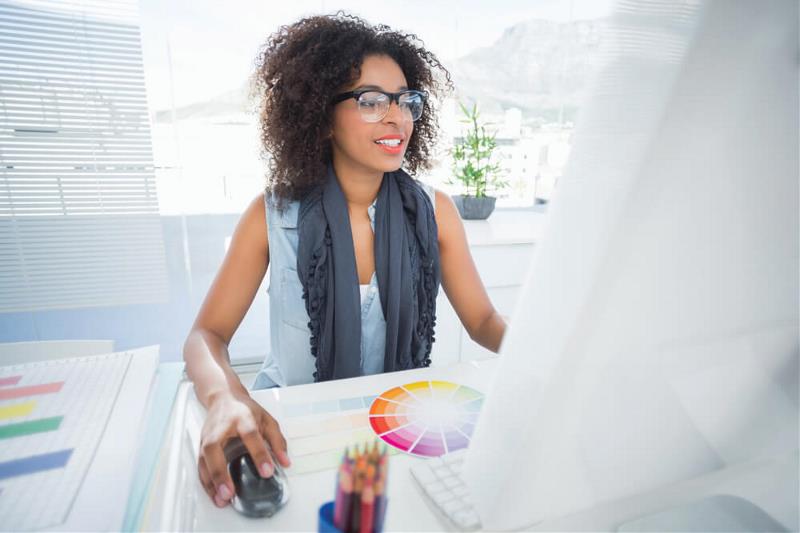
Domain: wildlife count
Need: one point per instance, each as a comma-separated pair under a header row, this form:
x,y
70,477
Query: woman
x,y
343,106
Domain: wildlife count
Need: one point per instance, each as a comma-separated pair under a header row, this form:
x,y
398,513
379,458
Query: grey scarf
x,y
406,265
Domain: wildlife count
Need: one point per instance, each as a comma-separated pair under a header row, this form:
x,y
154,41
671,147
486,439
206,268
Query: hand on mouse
x,y
230,416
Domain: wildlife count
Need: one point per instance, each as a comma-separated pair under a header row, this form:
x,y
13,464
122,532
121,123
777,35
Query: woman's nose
x,y
395,114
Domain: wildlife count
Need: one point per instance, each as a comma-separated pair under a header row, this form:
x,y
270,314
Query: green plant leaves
x,y
473,163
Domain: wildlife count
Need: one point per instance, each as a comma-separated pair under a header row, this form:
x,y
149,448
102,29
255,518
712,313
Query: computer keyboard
x,y
440,479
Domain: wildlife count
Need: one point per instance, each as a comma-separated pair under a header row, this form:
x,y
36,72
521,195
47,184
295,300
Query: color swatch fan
x,y
426,418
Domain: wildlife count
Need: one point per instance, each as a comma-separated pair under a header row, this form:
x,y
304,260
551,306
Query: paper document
x,y
53,417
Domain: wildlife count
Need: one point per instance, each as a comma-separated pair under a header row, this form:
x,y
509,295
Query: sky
x,y
212,44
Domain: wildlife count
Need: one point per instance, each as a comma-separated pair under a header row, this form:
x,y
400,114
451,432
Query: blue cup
x,y
326,524
326,519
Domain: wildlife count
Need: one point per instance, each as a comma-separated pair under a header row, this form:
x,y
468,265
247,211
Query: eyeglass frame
x,y
393,97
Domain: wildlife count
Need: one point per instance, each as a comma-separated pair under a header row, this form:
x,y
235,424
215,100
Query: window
x,y
129,148
78,210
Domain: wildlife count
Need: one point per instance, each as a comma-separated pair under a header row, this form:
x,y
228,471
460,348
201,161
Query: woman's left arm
x,y
461,281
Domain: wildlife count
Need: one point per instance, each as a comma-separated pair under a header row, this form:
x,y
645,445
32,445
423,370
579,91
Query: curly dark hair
x,y
303,65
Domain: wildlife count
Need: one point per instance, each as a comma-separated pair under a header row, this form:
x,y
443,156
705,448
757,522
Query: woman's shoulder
x,y
250,232
440,200
448,221
281,212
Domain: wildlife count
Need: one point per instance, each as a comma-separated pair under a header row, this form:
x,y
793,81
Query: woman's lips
x,y
389,149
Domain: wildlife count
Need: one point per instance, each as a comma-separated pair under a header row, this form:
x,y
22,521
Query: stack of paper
x,y
68,429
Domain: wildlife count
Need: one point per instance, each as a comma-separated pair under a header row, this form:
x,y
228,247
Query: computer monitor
x,y
656,338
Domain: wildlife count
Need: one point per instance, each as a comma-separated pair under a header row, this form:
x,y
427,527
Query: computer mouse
x,y
254,496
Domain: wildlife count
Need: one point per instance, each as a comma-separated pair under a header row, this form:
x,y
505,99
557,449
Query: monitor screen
x,y
656,337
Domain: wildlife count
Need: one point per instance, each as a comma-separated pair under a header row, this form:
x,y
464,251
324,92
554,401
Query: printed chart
x,y
318,432
52,417
426,418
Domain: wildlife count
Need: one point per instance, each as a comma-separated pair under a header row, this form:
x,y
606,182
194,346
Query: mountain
x,y
537,66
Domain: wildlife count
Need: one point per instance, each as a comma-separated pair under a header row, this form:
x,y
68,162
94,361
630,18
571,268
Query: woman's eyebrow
x,y
378,87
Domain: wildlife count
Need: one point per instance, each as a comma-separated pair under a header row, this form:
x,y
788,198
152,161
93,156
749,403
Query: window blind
x,y
79,221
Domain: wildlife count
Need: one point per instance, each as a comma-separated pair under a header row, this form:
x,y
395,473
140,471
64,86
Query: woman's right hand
x,y
231,416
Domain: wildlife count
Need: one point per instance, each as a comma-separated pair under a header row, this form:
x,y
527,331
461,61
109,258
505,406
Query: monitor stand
x,y
714,513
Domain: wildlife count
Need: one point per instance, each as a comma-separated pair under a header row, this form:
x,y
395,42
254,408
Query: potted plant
x,y
475,169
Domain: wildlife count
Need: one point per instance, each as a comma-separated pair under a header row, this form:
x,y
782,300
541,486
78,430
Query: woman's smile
x,y
391,144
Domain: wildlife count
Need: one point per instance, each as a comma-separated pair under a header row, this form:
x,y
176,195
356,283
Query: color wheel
x,y
426,418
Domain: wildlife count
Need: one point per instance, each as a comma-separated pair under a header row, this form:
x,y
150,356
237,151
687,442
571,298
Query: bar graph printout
x,y
52,417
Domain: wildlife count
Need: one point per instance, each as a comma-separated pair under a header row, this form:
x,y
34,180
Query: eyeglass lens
x,y
374,105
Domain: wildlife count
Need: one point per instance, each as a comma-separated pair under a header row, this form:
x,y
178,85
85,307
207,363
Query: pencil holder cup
x,y
326,519
326,524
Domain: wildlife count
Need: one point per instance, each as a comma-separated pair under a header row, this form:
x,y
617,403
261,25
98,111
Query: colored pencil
x,y
379,511
337,506
347,497
360,502
367,508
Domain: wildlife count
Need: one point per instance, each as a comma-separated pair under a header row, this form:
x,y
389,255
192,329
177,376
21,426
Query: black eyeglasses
x,y
373,104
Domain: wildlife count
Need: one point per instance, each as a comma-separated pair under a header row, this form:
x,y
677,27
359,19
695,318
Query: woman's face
x,y
354,140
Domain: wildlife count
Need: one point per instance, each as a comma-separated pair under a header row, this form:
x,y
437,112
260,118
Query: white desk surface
x,y
506,227
178,502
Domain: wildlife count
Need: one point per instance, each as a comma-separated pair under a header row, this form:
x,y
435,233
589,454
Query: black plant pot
x,y
471,208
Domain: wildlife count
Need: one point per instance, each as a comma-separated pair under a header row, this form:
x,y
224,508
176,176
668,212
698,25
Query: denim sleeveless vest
x,y
289,361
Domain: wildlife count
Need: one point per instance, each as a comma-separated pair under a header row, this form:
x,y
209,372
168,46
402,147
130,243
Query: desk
x,y
178,502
